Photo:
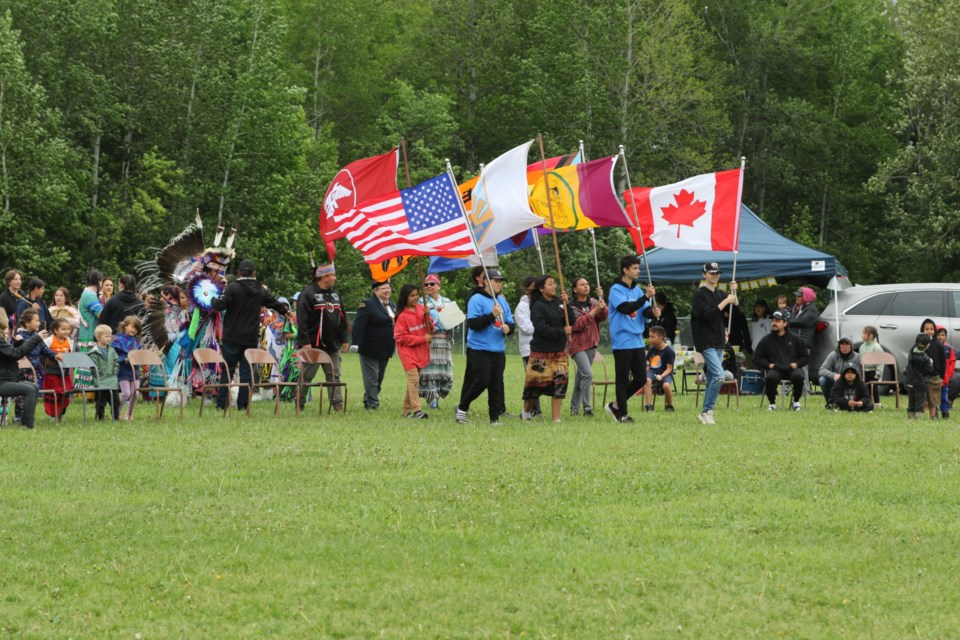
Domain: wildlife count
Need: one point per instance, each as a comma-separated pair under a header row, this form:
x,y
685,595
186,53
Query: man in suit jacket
x,y
373,337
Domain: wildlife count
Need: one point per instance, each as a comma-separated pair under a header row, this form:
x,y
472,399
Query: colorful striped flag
x,y
425,220
582,196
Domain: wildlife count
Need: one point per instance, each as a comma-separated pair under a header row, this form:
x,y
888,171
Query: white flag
x,y
501,208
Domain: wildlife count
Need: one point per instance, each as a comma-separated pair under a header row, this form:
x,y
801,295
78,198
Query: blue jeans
x,y
233,354
713,374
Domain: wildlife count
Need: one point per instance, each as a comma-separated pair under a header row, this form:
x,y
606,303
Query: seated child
x,y
941,337
58,342
660,363
127,340
871,344
29,320
849,392
919,369
108,366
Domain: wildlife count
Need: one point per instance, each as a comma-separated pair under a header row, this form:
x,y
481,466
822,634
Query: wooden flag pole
x,y
556,244
406,172
593,236
736,235
636,215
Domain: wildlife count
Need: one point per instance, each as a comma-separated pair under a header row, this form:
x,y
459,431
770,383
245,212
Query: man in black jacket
x,y
242,300
706,321
125,303
322,323
373,336
781,356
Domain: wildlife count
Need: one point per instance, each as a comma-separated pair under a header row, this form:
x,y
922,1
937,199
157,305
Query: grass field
x,y
796,525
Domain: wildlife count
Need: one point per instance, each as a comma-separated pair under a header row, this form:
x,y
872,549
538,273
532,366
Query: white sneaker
x,y
710,419
795,406
461,416
771,407
703,418
524,415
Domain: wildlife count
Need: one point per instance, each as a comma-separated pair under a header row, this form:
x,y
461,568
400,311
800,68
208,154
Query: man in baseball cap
x,y
781,356
322,323
706,321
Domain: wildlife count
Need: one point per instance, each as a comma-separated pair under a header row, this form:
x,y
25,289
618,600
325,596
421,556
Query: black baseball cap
x,y
780,315
711,267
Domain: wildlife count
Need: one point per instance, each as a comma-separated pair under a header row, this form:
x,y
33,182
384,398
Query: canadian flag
x,y
700,213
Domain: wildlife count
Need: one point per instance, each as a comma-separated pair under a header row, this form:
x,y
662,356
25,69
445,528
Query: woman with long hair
x,y
587,314
547,371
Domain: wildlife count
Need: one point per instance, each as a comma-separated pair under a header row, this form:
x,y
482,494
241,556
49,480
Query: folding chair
x,y
204,357
25,365
883,358
604,381
688,372
149,359
701,381
79,360
312,355
259,357
785,388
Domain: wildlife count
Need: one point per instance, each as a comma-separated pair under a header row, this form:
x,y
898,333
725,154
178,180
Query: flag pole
x,y
473,237
736,235
553,228
593,236
406,171
636,215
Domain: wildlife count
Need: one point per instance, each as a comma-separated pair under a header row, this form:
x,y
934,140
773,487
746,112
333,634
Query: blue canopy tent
x,y
763,253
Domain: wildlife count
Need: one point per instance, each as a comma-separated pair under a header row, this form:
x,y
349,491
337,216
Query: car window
x,y
872,306
955,306
922,304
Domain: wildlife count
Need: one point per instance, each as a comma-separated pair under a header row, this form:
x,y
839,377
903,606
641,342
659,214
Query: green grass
x,y
796,525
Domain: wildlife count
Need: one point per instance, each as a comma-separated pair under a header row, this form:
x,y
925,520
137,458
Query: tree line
x,y
119,119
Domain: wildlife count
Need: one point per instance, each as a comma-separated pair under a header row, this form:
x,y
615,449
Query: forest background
x,y
119,119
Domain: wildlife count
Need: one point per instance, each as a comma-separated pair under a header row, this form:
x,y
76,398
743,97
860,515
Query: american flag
x,y
425,220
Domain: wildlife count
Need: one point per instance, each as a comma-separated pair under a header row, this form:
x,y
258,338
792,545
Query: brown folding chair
x,y
312,355
701,381
150,359
204,357
604,381
259,357
883,358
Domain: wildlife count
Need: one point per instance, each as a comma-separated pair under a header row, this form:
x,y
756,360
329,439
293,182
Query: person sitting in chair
x,y
781,356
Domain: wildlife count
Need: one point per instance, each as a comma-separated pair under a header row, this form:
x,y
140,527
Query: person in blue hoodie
x,y
490,322
630,307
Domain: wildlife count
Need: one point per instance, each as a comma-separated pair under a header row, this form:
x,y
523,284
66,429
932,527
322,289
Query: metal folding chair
x,y
603,381
881,358
204,357
259,357
312,355
79,360
701,381
150,359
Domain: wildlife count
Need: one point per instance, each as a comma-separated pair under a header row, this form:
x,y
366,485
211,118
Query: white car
x,y
896,310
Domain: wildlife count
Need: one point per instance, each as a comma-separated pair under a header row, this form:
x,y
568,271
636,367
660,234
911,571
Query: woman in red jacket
x,y
412,333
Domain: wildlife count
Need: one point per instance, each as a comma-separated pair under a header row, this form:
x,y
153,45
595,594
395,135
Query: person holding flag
x,y
490,322
629,309
322,323
706,320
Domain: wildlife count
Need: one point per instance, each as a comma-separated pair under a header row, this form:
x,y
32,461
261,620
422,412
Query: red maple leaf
x,y
685,211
